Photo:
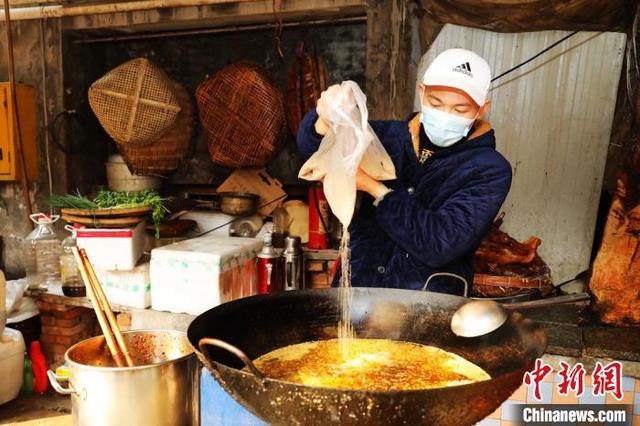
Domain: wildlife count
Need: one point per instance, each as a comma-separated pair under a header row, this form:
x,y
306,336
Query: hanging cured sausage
x,y
306,80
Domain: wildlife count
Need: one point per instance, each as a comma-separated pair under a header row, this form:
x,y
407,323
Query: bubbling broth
x,y
371,364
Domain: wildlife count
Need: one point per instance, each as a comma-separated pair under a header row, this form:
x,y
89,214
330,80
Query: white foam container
x,y
128,288
113,249
195,275
208,220
11,364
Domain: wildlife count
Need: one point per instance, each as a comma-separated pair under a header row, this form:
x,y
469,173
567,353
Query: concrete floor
x,y
50,409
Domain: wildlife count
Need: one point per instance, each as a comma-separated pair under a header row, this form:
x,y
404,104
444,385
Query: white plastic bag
x,y
349,144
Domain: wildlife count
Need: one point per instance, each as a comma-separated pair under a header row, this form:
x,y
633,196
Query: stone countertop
x,y
53,295
573,333
140,318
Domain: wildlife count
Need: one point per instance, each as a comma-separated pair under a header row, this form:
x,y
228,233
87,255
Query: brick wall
x,y
318,273
63,326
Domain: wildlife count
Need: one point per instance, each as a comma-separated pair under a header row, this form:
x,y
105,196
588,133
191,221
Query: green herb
x,y
71,201
116,200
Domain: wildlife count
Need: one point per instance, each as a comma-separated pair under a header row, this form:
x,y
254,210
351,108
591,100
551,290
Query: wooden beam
x,y
390,84
21,3
230,14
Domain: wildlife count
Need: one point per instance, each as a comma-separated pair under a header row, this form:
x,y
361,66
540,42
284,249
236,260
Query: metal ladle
x,y
480,317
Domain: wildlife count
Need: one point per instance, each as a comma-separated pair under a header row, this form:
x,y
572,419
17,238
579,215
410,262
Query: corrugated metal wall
x,y
552,119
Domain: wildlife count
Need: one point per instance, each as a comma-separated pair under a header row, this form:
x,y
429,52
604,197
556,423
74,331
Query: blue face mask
x,y
442,128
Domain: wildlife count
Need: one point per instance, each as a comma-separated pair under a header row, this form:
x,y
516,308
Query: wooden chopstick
x,y
107,309
111,343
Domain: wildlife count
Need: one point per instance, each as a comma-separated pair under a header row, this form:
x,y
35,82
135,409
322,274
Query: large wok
x,y
259,324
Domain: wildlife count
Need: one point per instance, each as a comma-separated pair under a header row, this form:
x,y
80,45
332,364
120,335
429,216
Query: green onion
x,y
116,200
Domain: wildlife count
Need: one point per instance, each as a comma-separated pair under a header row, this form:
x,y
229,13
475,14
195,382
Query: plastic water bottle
x,y
42,252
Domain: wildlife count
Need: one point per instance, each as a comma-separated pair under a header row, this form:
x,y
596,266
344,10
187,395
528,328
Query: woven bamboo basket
x,y
135,102
241,111
165,154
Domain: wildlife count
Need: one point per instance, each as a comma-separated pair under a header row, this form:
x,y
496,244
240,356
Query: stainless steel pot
x,y
162,389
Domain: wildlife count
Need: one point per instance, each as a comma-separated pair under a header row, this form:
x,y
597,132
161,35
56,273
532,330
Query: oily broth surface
x,y
371,364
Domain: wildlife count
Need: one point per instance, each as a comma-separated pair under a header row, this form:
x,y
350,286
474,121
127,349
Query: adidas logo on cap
x,y
464,68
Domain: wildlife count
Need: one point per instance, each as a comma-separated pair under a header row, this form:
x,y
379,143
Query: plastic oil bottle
x,y
72,284
42,252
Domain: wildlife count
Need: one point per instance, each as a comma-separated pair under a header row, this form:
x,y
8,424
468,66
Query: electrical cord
x,y
238,217
510,70
68,116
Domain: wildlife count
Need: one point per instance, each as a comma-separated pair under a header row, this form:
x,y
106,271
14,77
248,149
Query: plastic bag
x,y
349,144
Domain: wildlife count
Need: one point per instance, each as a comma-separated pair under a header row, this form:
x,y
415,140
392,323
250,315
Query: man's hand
x,y
336,94
322,126
366,183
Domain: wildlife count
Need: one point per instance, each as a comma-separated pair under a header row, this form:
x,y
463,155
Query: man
x,y
450,182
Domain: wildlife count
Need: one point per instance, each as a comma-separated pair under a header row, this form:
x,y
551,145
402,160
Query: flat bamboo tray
x,y
108,213
96,222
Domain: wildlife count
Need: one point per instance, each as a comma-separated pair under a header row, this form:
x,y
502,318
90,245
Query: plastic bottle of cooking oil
x,y
72,284
42,252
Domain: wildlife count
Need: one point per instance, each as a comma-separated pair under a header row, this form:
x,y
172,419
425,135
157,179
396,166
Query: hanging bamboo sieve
x,y
135,102
165,154
241,111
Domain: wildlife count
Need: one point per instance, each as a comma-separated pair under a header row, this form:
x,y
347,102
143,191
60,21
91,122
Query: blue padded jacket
x,y
436,215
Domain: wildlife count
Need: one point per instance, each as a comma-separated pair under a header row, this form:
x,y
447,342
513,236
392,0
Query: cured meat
x,y
615,282
504,266
500,248
306,80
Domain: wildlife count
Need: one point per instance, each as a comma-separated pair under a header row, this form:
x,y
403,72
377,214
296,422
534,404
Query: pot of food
x,y
278,356
238,203
161,389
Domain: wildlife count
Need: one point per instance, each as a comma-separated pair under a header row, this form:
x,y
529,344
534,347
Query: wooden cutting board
x,y
121,222
108,213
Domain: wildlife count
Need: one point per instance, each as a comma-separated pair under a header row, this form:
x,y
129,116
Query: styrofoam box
x,y
195,275
128,288
113,249
208,220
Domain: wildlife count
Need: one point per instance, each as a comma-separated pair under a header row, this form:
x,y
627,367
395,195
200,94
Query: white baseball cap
x,y
461,69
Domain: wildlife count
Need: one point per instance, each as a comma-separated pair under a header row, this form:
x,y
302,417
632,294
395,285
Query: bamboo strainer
x,y
135,102
166,153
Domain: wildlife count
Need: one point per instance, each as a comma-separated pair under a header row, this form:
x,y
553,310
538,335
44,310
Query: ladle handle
x,y
552,301
229,348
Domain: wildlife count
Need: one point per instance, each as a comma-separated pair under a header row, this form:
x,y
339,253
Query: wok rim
x,y
75,364
538,331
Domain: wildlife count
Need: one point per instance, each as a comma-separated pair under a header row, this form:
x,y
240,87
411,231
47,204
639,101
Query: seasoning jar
x,y
72,284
